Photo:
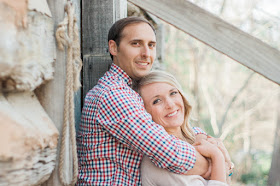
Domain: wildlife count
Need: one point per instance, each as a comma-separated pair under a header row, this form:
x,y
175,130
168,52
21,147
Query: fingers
x,y
212,140
219,143
196,143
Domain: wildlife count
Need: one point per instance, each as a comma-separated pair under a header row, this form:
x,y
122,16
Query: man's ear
x,y
113,48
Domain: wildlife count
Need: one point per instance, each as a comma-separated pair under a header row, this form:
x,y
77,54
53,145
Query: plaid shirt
x,y
116,131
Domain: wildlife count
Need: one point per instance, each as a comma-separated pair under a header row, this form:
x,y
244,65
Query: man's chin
x,y
142,74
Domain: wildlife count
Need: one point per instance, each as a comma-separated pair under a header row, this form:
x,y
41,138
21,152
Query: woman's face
x,y
165,104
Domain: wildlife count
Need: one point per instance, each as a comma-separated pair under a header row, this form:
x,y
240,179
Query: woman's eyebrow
x,y
155,96
172,89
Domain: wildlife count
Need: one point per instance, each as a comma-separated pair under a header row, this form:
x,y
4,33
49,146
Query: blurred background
x,y
229,100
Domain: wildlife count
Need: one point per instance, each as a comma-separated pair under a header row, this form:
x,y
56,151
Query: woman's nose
x,y
169,103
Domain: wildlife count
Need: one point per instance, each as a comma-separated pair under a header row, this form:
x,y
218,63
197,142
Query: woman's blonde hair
x,y
164,77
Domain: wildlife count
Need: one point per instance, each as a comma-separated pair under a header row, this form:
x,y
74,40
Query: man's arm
x,y
125,118
201,167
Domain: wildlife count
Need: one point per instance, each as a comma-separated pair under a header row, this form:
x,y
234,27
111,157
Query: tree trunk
x,y
274,178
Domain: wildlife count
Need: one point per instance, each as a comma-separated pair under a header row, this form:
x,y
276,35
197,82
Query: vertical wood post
x,y
51,95
97,18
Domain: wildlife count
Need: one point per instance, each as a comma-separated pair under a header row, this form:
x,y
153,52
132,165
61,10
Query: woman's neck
x,y
176,132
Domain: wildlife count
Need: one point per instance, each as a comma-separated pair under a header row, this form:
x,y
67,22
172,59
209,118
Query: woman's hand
x,y
219,143
211,151
206,149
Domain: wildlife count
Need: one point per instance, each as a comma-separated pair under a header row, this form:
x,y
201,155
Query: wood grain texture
x,y
51,95
218,34
97,19
94,68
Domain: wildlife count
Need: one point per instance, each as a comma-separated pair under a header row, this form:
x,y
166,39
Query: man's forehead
x,y
139,31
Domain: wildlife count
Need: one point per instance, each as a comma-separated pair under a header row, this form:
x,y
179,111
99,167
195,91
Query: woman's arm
x,y
209,150
229,165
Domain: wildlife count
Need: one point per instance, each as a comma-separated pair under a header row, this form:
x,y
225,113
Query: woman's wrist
x,y
231,168
217,156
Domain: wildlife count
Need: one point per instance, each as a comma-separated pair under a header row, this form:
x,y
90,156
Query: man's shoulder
x,y
108,84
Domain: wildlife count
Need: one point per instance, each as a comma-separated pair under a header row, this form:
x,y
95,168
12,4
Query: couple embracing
x,y
142,135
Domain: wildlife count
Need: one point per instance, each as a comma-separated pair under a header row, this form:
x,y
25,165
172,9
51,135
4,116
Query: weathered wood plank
x,y
218,34
78,94
94,68
51,95
97,18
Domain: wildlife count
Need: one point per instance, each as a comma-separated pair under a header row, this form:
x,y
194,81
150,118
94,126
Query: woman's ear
x,y
113,48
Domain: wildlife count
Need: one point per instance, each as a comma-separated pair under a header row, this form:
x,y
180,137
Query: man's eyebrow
x,y
140,40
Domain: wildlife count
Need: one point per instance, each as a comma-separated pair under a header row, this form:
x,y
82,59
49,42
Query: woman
x,y
164,100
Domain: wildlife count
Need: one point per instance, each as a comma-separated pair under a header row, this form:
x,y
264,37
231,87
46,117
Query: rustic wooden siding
x,y
51,95
97,18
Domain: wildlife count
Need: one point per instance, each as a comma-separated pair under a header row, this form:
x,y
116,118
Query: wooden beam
x,y
218,34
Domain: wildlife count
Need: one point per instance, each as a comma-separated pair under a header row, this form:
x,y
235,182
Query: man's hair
x,y
115,32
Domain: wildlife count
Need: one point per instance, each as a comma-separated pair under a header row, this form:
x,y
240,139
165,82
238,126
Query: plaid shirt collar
x,y
120,74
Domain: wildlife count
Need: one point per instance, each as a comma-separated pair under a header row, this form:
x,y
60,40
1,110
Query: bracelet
x,y
231,169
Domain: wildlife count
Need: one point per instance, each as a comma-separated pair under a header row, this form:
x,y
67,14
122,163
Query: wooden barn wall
x,y
94,18
97,18
51,95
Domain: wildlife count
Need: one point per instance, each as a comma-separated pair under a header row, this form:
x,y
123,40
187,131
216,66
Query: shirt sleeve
x,y
198,130
123,115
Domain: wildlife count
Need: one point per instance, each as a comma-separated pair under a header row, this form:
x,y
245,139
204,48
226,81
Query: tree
x,y
274,178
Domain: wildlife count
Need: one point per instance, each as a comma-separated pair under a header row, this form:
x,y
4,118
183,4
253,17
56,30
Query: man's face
x,y
136,51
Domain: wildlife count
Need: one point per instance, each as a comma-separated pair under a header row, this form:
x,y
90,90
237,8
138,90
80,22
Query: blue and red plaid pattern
x,y
116,131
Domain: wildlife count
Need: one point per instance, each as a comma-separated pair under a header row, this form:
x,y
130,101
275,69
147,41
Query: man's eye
x,y
135,43
156,101
152,45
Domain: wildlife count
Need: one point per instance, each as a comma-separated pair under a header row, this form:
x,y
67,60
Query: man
x,y
115,130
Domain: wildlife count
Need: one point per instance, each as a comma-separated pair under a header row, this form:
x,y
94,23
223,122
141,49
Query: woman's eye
x,y
156,101
173,93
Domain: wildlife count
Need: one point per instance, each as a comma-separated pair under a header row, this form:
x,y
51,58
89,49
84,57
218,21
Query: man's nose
x,y
146,52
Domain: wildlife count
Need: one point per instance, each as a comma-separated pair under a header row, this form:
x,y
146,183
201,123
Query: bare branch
x,y
248,113
233,99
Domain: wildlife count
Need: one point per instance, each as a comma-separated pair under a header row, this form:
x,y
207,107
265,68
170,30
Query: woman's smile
x,y
165,104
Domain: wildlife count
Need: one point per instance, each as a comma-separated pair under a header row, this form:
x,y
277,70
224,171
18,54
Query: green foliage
x,y
258,174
